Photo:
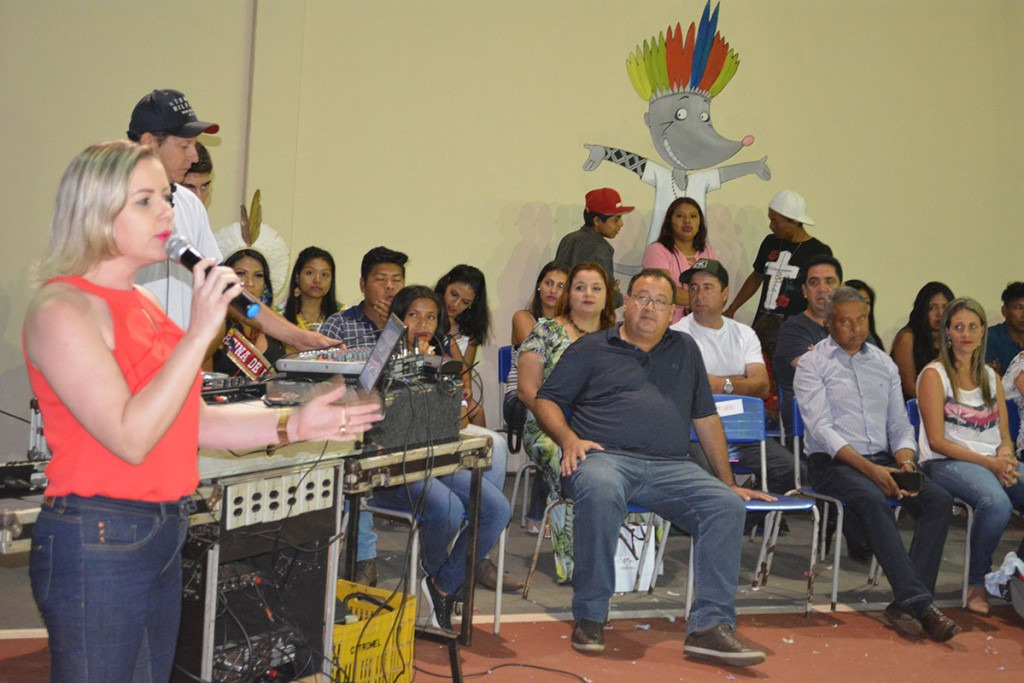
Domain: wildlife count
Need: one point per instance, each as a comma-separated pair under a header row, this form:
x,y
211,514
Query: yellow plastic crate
x,y
384,643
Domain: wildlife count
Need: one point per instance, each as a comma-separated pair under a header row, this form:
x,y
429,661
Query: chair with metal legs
x,y
414,554
650,534
514,437
523,474
743,421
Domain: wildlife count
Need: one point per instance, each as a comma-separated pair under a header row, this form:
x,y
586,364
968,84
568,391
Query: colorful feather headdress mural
x,y
703,64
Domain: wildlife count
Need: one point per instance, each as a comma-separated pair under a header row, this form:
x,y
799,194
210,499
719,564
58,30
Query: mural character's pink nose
x,y
748,141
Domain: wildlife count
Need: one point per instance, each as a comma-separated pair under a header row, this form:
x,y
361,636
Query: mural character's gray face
x,y
681,130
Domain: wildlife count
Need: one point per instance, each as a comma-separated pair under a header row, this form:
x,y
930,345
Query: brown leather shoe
x,y
937,625
977,600
901,620
487,576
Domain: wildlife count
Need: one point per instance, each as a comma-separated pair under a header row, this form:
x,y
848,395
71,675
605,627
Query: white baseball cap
x,y
792,206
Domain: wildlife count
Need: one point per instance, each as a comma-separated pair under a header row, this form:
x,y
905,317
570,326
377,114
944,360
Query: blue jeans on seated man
x,y
442,514
992,502
106,575
678,490
912,576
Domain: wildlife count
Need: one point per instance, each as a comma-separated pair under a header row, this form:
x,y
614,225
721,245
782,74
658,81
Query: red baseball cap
x,y
606,202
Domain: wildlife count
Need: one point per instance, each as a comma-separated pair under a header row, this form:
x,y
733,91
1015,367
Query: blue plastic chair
x,y
514,437
743,426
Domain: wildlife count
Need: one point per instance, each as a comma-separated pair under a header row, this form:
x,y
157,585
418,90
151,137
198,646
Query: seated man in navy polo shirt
x,y
382,274
632,391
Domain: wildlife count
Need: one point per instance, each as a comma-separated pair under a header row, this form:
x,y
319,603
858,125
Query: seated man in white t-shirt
x,y
735,365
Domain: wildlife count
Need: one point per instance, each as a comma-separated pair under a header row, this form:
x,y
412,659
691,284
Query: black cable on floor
x,y
560,672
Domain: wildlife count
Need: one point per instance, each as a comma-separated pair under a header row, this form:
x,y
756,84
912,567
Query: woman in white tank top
x,y
965,444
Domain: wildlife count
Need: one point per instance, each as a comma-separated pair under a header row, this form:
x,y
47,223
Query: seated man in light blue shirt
x,y
858,435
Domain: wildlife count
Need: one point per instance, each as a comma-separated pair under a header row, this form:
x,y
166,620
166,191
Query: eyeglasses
x,y
645,301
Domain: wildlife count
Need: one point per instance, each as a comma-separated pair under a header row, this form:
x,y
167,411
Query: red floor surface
x,y
832,648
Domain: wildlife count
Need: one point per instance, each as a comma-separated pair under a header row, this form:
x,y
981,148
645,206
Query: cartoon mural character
x,y
680,78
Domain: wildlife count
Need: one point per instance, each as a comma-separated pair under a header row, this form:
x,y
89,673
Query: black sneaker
x,y
441,605
719,644
901,620
937,625
588,636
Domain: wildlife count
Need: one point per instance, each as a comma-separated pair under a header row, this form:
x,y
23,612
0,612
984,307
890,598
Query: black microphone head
x,y
176,246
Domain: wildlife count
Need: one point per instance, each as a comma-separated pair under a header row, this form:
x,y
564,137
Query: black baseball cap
x,y
705,265
167,111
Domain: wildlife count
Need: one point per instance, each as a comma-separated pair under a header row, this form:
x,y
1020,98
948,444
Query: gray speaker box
x,y
416,414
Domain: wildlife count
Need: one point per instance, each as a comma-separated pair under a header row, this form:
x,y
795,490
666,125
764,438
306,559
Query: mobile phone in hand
x,y
908,481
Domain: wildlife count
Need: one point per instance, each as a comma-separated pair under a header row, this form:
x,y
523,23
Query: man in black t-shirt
x,y
780,259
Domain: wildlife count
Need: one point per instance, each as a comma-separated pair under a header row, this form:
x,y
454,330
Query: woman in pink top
x,y
682,241
118,386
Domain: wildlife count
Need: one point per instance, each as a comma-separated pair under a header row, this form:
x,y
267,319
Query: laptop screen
x,y
389,337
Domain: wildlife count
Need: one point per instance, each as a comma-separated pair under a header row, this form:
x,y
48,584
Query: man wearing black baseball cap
x,y
164,120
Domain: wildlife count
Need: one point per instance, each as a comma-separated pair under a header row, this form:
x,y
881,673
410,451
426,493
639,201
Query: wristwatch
x,y
729,388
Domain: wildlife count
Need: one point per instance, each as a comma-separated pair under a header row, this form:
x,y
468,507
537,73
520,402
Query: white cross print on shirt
x,y
777,271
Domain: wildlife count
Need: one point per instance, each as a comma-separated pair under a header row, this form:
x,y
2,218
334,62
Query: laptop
x,y
390,336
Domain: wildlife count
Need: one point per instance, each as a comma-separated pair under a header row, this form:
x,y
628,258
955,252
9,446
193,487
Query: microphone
x,y
180,251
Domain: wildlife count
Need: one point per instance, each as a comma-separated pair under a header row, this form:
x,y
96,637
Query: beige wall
x,y
453,130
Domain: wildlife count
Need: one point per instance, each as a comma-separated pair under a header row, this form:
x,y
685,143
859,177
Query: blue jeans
x,y
106,575
992,503
677,490
442,514
499,454
367,548
367,540
912,576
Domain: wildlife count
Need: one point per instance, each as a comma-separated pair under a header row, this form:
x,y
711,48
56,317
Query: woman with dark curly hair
x,y
312,297
682,242
464,293
917,344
